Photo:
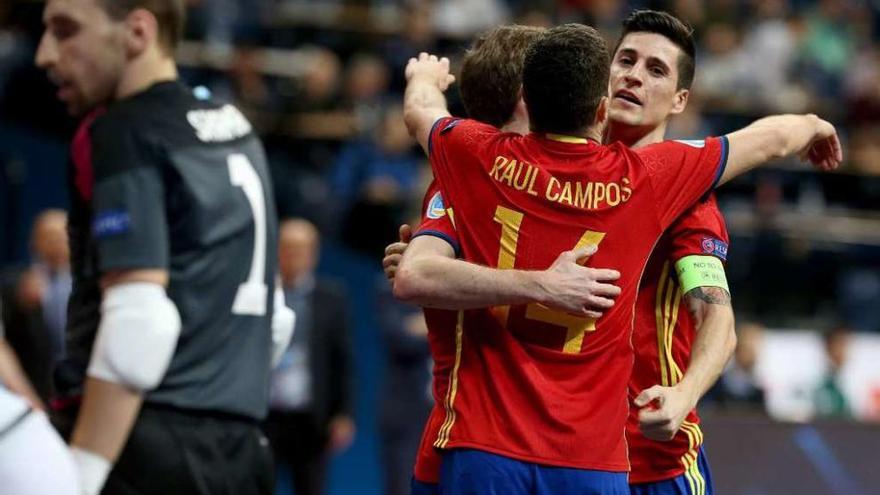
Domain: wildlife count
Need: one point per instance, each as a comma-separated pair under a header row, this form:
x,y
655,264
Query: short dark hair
x,y
170,17
673,29
491,73
565,76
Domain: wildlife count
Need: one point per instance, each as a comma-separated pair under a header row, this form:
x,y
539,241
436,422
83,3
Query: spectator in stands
x,y
374,181
406,399
36,310
462,19
416,36
829,400
738,388
828,47
310,414
366,84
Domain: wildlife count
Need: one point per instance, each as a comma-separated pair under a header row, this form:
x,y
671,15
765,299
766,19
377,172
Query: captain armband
x,y
700,271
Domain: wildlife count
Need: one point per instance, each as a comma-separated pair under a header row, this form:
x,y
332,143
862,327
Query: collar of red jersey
x,y
564,138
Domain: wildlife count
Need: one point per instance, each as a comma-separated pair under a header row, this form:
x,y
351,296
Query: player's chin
x,y
622,114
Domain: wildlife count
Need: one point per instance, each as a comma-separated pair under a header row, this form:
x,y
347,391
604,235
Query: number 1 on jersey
x,y
251,297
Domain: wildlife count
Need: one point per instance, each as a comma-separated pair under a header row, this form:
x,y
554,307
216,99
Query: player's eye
x,y
657,71
63,29
625,61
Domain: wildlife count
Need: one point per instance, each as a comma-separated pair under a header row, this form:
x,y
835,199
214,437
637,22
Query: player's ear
x,y
601,112
520,109
142,30
680,101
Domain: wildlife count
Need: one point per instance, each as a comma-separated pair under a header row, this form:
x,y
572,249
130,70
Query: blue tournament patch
x,y
109,223
436,208
715,247
202,93
451,125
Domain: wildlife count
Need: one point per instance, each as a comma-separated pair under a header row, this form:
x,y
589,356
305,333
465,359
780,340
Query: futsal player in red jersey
x,y
491,75
546,371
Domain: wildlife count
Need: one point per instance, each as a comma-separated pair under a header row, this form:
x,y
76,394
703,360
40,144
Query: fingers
x,y
604,274
595,303
652,419
605,290
405,233
649,395
390,265
578,255
396,248
391,260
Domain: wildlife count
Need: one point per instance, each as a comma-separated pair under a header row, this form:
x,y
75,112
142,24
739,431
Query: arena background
x,y
322,81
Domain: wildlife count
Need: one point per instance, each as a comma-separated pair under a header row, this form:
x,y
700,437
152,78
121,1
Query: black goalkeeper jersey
x,y
170,180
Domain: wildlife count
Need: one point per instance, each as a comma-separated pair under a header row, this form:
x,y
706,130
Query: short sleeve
x,y
437,220
451,142
700,231
682,172
128,225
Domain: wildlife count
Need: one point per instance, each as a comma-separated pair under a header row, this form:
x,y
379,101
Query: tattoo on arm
x,y
711,295
699,298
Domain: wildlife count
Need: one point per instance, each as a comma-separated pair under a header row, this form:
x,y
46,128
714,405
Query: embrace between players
x,y
535,379
172,325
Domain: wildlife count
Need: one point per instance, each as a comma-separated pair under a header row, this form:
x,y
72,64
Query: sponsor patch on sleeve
x,y
715,247
436,208
110,223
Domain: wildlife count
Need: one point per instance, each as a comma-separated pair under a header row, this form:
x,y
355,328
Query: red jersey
x,y
436,221
663,336
528,382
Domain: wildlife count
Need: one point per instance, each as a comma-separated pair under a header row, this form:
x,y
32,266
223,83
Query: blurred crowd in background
x,y
322,80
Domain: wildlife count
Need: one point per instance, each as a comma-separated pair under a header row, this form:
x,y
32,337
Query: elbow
x,y
409,286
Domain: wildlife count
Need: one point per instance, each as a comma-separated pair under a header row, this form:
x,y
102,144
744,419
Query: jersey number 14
x,y
576,326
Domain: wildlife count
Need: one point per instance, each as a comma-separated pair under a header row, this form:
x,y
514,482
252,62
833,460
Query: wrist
x,y
534,286
424,78
92,470
690,391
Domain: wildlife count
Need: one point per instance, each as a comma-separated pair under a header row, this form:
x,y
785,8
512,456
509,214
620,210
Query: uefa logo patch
x,y
715,247
436,208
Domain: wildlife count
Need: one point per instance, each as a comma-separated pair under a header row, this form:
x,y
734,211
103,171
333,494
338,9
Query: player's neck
x,y
634,136
144,72
517,125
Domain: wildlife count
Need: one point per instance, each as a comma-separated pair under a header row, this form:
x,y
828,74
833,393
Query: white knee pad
x,y
136,337
283,322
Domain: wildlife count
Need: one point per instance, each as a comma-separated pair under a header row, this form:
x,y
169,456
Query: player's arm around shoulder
x,y
781,136
136,339
427,78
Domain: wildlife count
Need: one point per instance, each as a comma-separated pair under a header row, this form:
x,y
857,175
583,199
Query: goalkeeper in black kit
x,y
174,317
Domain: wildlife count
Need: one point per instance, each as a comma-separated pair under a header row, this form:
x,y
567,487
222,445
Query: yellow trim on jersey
x,y
451,216
668,302
689,460
660,322
675,371
562,138
446,428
